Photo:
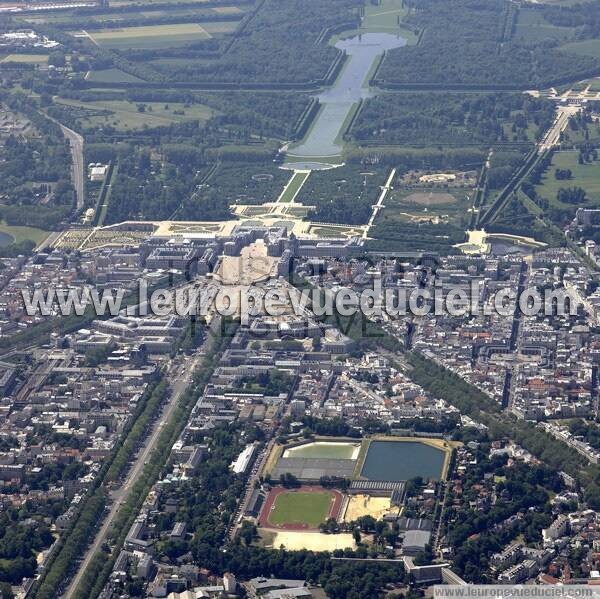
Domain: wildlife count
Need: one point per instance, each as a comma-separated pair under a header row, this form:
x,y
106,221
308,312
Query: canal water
x,y
402,460
350,87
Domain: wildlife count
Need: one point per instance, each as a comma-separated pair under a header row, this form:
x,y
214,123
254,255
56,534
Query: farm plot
x,y
26,58
151,37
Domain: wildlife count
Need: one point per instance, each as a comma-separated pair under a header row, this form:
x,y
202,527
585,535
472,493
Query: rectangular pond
x,y
402,460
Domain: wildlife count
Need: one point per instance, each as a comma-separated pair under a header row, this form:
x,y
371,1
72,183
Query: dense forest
x,y
438,119
280,45
239,117
343,195
465,43
477,534
35,171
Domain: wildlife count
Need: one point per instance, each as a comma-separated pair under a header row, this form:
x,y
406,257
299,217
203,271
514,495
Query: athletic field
x,y
300,509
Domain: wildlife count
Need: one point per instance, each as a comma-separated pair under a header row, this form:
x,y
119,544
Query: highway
x,y
180,373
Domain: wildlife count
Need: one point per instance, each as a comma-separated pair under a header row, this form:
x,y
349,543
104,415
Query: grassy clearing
x,y
585,48
385,16
22,233
151,37
297,507
26,58
127,116
586,176
532,26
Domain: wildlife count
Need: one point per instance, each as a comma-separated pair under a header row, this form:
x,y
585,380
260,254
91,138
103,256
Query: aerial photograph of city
x,y
300,299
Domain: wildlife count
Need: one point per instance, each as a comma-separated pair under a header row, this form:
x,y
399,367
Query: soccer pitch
x,y
297,507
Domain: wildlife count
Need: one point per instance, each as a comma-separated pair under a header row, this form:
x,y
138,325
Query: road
x,y
77,167
552,137
377,207
76,143
180,382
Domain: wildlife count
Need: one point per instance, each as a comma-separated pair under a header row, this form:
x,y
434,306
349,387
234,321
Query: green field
x,y
297,507
127,116
293,187
532,26
152,36
22,233
585,48
324,450
586,176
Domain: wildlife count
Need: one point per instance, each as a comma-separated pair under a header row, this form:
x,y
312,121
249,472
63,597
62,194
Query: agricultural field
x,y
111,76
66,18
26,58
145,3
129,116
152,36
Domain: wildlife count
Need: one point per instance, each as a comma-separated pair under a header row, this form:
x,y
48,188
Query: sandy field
x,y
365,505
312,541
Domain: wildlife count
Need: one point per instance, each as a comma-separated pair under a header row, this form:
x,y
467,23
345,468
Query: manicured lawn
x,y
297,507
23,233
296,182
586,176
